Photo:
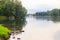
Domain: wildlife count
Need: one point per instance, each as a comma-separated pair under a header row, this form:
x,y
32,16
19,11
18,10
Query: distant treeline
x,y
54,13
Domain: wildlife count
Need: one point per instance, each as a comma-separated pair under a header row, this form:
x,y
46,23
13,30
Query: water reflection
x,y
37,28
48,18
15,26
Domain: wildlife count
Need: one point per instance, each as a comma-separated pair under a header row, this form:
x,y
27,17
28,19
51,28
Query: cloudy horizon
x,y
33,6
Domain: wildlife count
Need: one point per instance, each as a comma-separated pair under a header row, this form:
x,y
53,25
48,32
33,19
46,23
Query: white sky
x,y
40,5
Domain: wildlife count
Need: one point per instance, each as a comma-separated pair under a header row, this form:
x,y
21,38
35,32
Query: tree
x,y
14,10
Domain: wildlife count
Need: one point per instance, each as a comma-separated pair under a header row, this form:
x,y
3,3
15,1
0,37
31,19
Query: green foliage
x,y
54,12
12,10
9,8
4,32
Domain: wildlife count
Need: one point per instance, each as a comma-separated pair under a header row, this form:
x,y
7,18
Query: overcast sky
x,y
40,5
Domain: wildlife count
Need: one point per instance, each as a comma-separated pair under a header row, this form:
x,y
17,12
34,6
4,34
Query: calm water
x,y
39,29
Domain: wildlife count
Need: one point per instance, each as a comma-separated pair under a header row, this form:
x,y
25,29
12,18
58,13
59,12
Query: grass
x,y
2,18
4,32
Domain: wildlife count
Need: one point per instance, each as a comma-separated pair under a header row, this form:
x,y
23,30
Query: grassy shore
x,y
4,33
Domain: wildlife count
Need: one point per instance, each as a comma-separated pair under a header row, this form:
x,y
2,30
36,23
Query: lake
x,y
39,28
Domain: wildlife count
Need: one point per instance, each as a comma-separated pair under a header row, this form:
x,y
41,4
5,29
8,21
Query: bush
x,y
4,32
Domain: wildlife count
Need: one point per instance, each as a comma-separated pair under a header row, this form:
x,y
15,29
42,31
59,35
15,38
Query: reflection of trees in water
x,y
42,18
48,18
14,25
55,19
